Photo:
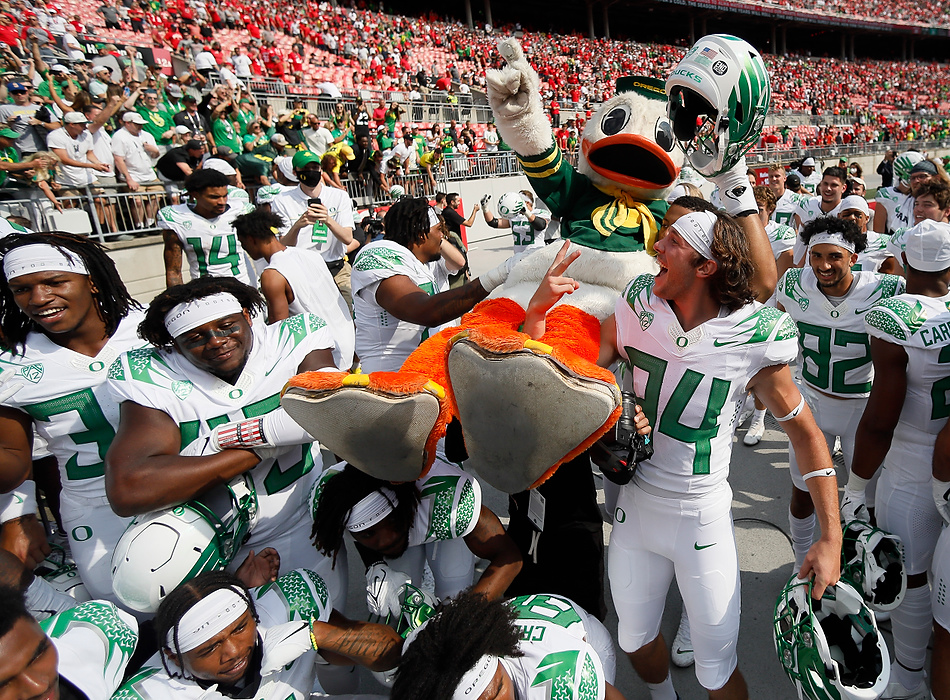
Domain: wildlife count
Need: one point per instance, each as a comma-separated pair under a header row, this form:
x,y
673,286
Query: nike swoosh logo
x,y
683,651
698,546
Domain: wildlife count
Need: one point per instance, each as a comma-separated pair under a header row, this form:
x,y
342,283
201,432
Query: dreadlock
x,y
407,221
259,224
174,606
112,299
343,491
463,630
153,330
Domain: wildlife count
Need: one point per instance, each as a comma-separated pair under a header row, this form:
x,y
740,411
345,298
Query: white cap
x,y
286,166
928,246
808,161
219,165
855,201
100,68
59,68
133,117
181,129
75,118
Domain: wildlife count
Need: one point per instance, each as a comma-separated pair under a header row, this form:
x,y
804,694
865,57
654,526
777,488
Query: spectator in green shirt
x,y
383,139
158,122
222,128
10,159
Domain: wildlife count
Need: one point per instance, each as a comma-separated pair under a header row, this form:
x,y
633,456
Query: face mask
x,y
310,178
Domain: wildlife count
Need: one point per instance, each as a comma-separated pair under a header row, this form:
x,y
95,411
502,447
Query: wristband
x,y
18,502
857,484
313,640
830,471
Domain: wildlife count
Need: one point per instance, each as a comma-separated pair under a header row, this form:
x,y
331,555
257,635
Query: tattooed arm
x,y
345,641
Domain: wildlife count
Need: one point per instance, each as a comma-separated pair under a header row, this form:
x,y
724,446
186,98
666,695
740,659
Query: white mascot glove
x,y
383,585
854,501
513,93
735,190
284,644
497,275
484,202
941,490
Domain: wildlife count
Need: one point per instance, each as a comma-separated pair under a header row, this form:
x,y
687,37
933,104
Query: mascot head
x,y
619,145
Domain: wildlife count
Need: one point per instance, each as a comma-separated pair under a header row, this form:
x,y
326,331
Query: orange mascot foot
x,y
526,407
385,423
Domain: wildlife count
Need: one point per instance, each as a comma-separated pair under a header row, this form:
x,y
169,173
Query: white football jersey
x,y
835,352
524,235
95,641
294,596
811,182
450,502
67,396
786,207
692,384
383,342
558,662
211,245
315,292
873,256
198,401
781,237
894,204
920,325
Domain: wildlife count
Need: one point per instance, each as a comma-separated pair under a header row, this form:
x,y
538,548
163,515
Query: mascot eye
x,y
615,121
664,134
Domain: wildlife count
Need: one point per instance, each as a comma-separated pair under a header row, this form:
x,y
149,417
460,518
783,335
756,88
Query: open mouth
x,y
632,160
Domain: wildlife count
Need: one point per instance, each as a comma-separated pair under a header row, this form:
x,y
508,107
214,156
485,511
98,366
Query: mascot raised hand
x,y
526,406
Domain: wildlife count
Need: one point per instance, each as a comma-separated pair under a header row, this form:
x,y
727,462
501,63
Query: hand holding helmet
x,y
383,585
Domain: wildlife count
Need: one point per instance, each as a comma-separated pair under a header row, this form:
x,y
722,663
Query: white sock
x,y
802,531
662,691
911,625
758,416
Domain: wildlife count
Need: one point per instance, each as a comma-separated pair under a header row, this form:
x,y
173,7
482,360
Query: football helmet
x,y
903,163
871,562
160,550
396,192
510,205
718,96
831,648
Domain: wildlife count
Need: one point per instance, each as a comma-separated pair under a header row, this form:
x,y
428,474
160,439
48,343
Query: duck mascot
x,y
525,406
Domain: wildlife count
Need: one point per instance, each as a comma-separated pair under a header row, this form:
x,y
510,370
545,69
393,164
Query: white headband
x,y
41,257
286,166
371,510
433,217
476,679
697,229
832,238
190,314
208,617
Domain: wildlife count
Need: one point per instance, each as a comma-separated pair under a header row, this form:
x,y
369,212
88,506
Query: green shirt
x,y
7,155
603,220
224,135
253,165
385,143
157,122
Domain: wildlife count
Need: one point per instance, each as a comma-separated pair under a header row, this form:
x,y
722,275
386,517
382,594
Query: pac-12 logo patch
x,y
720,67
33,373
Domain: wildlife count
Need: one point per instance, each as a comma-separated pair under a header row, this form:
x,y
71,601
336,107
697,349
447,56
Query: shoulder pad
x,y
896,318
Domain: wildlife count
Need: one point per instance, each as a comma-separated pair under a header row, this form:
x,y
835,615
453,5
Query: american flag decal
x,y
709,53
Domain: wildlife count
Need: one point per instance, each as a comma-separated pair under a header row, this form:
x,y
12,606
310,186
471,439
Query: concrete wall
x,y
141,266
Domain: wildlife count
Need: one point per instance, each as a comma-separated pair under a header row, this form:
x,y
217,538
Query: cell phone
x,y
313,200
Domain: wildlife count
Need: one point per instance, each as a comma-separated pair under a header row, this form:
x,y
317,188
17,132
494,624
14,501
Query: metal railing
x,y
110,216
764,155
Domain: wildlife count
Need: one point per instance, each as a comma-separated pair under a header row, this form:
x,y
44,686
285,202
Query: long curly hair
x,y
407,221
732,282
462,631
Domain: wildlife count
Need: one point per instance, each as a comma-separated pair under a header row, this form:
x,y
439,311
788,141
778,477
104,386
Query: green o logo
x,y
834,313
682,341
620,516
96,366
81,533
236,393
